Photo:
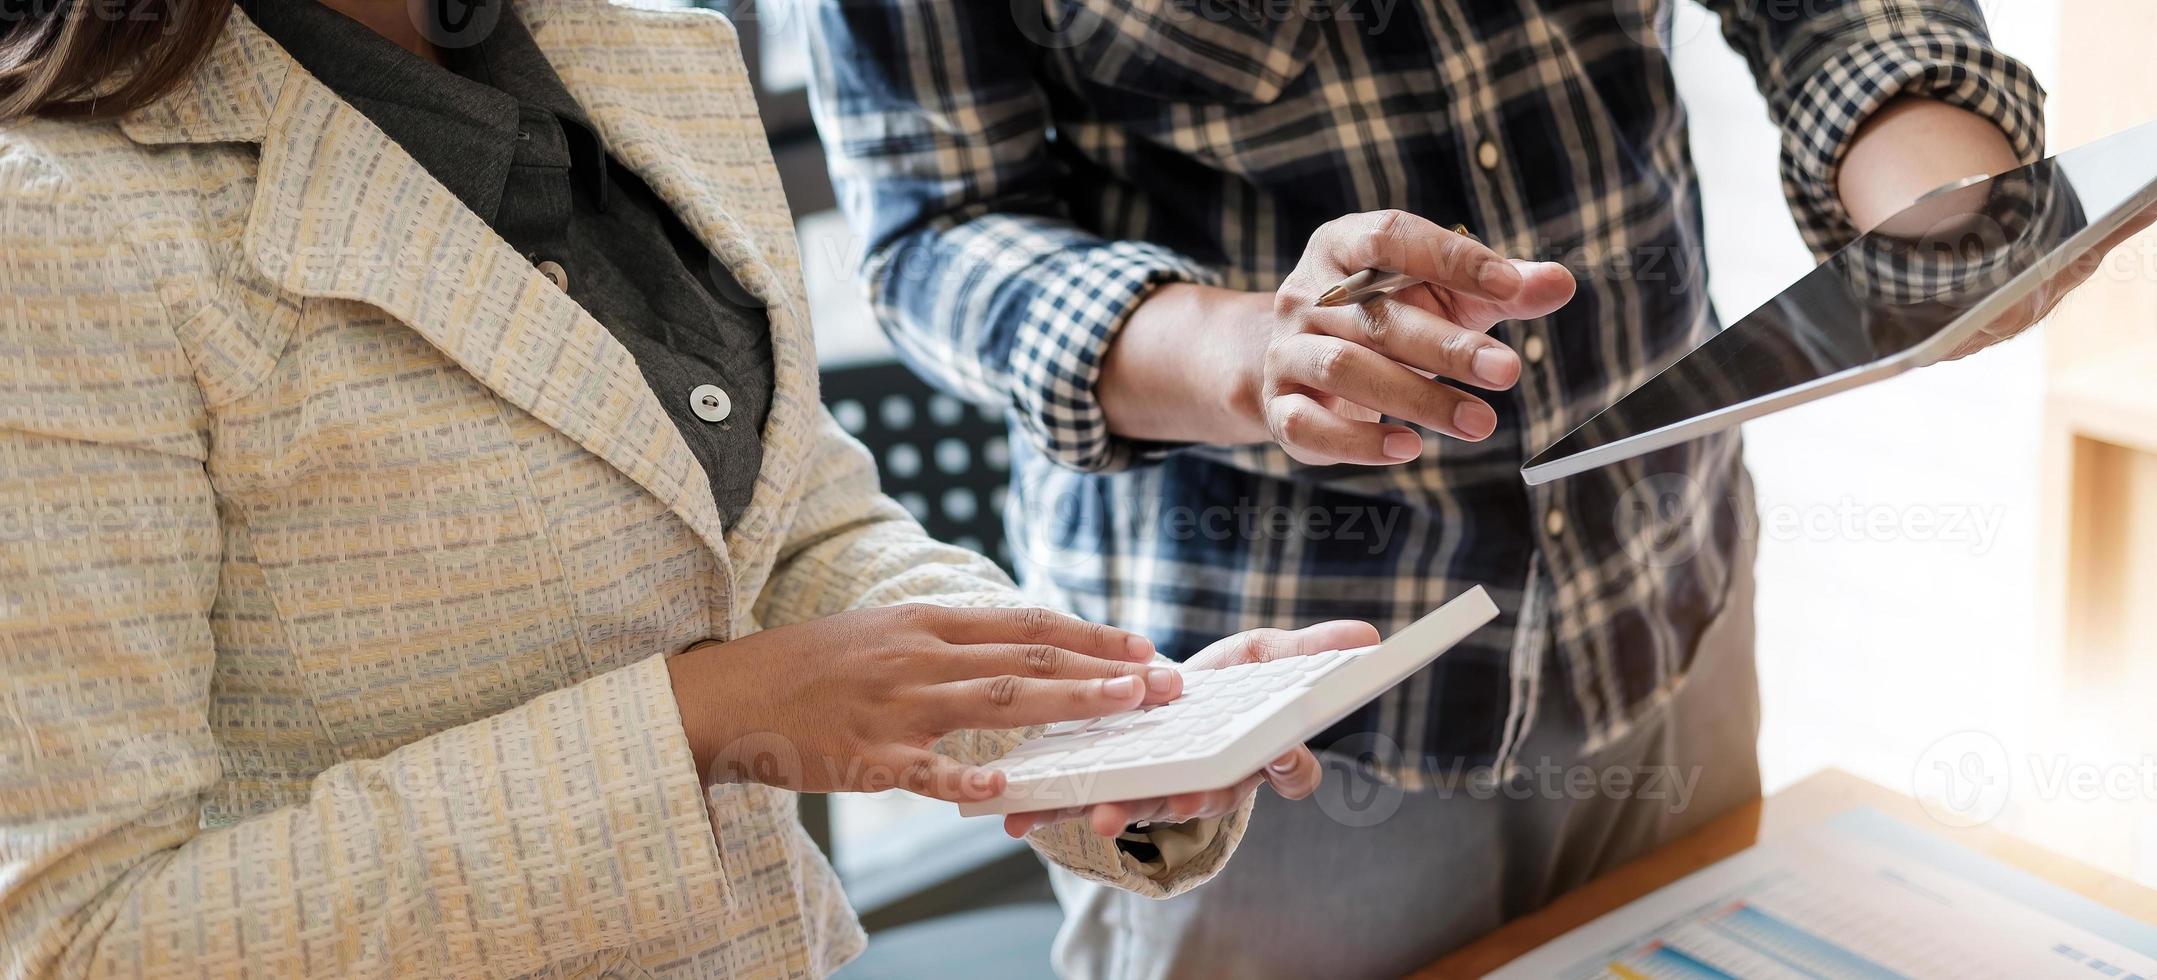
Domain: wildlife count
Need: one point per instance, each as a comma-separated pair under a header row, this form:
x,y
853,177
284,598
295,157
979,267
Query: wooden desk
x,y
1821,796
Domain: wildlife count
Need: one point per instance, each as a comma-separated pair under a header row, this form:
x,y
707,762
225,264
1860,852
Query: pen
x,y
1362,287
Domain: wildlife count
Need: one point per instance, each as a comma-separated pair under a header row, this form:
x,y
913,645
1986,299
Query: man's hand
x,y
1294,775
1200,364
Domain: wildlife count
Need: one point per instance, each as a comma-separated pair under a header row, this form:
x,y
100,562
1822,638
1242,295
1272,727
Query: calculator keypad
x,y
1217,707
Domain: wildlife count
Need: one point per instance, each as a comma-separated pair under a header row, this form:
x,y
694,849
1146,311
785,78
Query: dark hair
x,y
99,57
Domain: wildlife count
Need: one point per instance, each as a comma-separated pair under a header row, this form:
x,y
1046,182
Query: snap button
x,y
1532,348
1554,522
555,274
711,403
1487,155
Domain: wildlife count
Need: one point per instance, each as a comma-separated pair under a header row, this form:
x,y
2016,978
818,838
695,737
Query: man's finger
x,y
1366,377
1423,339
1396,241
1545,288
1317,436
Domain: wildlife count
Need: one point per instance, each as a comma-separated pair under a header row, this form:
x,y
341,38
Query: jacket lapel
x,y
341,211
670,97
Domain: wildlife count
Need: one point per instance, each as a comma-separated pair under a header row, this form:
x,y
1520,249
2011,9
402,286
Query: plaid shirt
x,y
1025,172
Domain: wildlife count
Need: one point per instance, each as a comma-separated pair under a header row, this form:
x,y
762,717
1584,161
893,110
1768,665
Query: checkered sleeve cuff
x,y
1077,298
1945,57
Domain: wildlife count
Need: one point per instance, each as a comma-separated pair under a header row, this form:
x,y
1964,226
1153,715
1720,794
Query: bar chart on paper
x,y
1783,931
1863,898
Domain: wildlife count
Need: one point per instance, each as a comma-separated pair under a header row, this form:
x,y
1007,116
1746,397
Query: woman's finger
x,y
1008,701
1043,627
1295,775
1261,645
1110,819
1040,660
925,773
1117,815
1021,824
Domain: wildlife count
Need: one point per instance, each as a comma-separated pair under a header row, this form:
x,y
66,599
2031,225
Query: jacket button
x,y
1532,349
711,403
555,274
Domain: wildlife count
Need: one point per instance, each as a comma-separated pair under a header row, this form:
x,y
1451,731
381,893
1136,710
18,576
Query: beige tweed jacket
x,y
342,552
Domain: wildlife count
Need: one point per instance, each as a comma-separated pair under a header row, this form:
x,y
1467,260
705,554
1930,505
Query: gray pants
x,y
1337,886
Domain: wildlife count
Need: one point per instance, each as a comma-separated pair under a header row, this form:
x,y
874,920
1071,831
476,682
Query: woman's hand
x,y
1204,364
852,702
1294,775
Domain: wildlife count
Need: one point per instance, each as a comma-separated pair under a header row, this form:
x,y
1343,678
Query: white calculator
x,y
1227,724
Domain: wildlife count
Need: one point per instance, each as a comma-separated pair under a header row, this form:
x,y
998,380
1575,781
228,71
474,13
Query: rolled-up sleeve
x,y
937,134
1826,67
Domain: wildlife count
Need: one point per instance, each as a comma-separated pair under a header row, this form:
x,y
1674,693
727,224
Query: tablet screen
x,y
1892,290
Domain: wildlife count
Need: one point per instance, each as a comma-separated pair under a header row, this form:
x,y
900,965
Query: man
x,y
1114,218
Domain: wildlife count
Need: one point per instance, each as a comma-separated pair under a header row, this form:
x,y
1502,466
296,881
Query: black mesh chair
x,y
946,461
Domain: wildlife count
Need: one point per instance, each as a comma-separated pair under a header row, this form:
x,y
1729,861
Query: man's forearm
x,y
1911,146
1178,369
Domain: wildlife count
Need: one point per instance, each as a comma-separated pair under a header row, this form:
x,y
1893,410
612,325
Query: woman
x,y
429,555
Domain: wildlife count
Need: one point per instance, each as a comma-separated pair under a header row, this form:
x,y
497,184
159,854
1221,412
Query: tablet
x,y
1906,295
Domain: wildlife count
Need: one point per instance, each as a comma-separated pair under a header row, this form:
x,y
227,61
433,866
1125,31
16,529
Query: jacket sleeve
x,y
1826,66
570,825
937,140
851,547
